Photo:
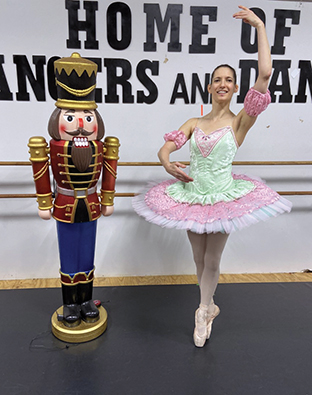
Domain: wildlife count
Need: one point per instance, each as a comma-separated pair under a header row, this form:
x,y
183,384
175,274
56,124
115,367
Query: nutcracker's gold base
x,y
84,332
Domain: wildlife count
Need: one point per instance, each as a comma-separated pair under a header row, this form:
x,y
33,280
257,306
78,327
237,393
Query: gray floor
x,y
261,343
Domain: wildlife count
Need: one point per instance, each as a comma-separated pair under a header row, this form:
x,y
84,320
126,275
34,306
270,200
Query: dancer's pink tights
x,y
207,251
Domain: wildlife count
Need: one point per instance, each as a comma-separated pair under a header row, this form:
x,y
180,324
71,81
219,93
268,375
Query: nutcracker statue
x,y
77,157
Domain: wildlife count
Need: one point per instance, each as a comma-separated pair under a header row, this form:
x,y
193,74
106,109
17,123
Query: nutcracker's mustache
x,y
81,131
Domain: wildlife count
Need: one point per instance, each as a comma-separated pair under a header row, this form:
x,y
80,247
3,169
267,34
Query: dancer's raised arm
x,y
264,55
258,98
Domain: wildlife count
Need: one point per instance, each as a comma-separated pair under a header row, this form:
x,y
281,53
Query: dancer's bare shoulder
x,y
188,127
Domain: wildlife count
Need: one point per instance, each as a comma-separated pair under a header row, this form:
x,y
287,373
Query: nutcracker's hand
x,y
44,214
107,210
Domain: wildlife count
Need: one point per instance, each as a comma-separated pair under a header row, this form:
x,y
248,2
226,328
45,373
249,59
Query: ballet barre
x,y
131,194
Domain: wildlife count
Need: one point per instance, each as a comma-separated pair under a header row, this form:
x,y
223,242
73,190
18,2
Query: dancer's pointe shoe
x,y
200,331
203,325
210,320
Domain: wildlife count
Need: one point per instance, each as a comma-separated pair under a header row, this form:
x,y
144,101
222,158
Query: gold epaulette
x,y
38,149
111,147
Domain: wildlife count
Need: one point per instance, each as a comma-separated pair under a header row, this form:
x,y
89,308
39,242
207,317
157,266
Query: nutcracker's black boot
x,y
71,309
89,311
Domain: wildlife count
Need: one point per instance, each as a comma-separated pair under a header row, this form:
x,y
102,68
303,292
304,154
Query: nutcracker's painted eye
x,y
89,118
69,118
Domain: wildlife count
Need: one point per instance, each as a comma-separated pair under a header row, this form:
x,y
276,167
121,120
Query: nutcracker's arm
x,y
110,158
38,149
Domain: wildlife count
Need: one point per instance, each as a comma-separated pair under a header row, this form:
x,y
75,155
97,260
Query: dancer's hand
x,y
174,170
248,17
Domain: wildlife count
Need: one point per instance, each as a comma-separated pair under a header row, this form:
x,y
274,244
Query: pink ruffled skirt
x,y
262,203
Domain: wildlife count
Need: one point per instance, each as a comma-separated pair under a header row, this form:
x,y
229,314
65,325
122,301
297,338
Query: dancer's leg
x,y
207,252
198,243
215,243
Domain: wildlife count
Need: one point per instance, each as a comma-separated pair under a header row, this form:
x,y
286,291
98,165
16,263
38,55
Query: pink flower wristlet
x,y
255,102
177,136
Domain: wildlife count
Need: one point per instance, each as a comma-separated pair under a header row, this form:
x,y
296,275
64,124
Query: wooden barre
x,y
235,163
33,195
132,194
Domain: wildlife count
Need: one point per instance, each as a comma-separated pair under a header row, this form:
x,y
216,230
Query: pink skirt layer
x,y
258,205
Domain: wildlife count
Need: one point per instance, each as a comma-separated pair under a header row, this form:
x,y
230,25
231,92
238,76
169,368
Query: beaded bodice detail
x,y
211,168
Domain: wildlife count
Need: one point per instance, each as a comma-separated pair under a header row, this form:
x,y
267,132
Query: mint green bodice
x,y
211,158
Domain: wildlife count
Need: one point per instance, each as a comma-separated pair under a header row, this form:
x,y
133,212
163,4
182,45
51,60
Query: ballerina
x,y
211,202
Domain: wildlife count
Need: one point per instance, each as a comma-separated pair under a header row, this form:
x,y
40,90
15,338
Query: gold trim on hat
x,y
75,104
77,63
76,92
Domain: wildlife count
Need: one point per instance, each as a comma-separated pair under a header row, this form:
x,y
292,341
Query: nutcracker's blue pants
x,y
76,246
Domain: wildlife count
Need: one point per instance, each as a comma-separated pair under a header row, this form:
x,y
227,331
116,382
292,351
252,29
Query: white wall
x,y
126,244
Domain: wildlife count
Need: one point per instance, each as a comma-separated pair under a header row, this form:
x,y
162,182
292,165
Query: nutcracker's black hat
x,y
75,83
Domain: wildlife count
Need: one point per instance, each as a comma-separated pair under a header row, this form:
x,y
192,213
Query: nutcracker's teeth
x,y
81,142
